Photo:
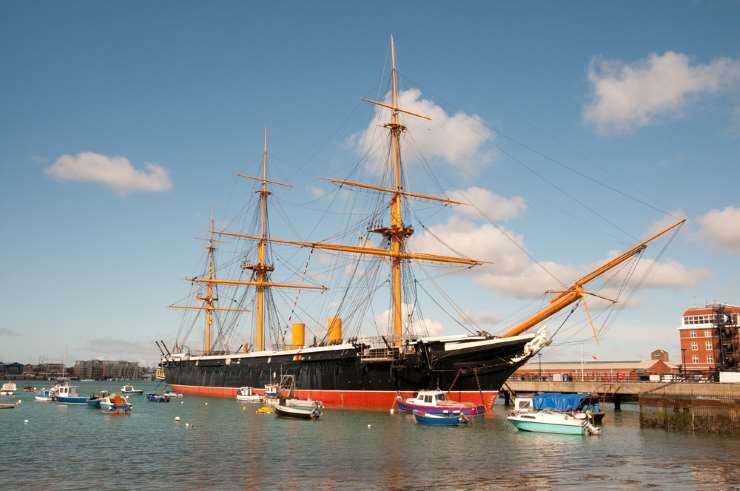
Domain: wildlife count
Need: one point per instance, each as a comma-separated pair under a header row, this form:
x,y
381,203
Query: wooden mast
x,y
209,298
576,291
262,268
397,232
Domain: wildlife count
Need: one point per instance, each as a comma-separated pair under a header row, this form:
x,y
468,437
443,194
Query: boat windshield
x,y
440,397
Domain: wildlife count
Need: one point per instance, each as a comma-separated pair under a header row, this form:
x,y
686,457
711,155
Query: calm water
x,y
228,446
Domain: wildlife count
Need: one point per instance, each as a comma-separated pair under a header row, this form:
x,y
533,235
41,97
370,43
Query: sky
x,y
576,128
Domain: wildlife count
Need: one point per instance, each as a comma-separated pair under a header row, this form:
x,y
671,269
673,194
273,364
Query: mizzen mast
x,y
209,299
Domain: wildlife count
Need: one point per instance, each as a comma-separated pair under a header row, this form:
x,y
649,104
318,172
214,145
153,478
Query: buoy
x,y
205,403
181,402
177,418
187,425
25,421
369,426
19,402
392,411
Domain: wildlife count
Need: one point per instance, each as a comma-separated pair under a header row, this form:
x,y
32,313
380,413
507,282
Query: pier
x,y
679,406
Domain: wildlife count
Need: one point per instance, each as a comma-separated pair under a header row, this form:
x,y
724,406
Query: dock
x,y
676,406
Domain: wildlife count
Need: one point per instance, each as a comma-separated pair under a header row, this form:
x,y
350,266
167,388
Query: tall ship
x,y
340,366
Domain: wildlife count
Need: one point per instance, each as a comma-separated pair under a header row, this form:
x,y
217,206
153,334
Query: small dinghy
x,y
307,412
246,394
10,406
171,394
158,397
433,419
93,401
264,410
129,390
115,404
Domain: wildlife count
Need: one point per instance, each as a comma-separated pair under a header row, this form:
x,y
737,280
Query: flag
x,y
594,357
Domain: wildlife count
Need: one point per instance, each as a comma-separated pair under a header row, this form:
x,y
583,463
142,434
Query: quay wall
x,y
707,414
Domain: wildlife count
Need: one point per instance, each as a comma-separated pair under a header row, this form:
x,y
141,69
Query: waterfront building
x,y
105,369
709,338
597,371
659,354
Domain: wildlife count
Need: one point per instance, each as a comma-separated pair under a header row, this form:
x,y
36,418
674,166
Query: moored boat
x,y
8,389
436,402
585,403
436,419
286,411
158,397
93,401
129,389
115,404
69,394
526,418
246,394
46,394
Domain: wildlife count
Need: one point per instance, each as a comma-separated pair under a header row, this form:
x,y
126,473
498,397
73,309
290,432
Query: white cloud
x,y
482,201
721,228
418,327
629,96
114,172
511,272
455,138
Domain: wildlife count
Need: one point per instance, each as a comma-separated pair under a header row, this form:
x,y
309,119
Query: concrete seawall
x,y
710,414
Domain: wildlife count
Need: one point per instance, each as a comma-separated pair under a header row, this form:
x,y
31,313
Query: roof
x,y
595,365
710,309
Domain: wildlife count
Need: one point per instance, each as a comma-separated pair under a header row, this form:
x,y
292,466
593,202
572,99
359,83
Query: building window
x,y
695,359
708,346
694,346
710,359
707,333
693,334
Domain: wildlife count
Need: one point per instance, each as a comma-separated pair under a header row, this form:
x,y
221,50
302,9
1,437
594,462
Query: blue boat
x,y
69,394
436,402
115,404
158,397
454,419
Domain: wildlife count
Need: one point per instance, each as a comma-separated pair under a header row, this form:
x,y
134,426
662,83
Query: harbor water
x,y
222,444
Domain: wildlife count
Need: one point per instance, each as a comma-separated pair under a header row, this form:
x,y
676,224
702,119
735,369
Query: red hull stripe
x,y
380,400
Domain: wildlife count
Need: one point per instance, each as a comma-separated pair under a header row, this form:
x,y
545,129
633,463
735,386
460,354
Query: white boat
x,y
46,394
172,394
285,411
309,404
245,394
8,389
129,389
524,418
436,402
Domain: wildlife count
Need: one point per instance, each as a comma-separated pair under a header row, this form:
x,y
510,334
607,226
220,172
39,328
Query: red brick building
x,y
709,338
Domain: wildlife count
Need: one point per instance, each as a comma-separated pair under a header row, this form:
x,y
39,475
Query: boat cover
x,y
558,402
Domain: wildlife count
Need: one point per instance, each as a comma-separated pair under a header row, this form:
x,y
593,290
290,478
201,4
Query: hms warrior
x,y
360,372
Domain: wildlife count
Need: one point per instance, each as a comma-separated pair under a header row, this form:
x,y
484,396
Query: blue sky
x,y
644,97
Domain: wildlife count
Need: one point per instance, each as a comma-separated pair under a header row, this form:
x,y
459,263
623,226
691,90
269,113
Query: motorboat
x,y
9,406
436,402
158,397
246,394
130,390
172,394
585,403
115,404
285,411
29,388
303,404
526,417
69,394
94,400
454,418
46,394
8,389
